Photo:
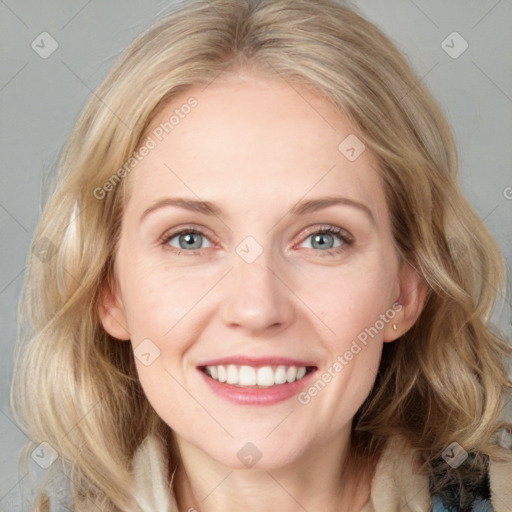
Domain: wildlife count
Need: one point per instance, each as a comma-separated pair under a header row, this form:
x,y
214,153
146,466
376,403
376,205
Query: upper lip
x,y
256,361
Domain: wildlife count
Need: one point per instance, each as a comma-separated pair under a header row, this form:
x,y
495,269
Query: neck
x,y
321,480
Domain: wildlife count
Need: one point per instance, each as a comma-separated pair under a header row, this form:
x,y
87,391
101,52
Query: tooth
x,y
247,376
280,375
301,372
222,373
291,374
232,374
265,376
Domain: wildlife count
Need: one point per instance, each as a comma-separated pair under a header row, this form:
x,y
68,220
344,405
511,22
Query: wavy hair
x,y
442,381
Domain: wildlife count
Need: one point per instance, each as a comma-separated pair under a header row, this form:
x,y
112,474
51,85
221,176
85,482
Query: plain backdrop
x,y
41,95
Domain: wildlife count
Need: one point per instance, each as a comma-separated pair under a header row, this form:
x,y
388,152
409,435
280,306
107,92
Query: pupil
x,y
318,239
189,239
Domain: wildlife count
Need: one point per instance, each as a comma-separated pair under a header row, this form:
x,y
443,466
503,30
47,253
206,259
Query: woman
x,y
191,343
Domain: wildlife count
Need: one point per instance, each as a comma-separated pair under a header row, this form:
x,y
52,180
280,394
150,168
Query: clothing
x,y
396,486
477,506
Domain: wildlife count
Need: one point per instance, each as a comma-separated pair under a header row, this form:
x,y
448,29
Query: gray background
x,y
40,98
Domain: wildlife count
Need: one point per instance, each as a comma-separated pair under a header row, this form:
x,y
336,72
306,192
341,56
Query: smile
x,y
245,376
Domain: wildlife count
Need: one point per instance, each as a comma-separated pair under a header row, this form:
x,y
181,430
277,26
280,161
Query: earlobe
x,y
112,315
413,291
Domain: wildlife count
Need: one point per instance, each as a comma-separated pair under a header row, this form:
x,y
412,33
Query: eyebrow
x,y
300,208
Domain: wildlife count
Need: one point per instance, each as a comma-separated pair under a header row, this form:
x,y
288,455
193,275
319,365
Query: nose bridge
x,y
256,297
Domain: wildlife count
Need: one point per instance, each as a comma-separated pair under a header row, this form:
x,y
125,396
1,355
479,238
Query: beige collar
x,y
396,487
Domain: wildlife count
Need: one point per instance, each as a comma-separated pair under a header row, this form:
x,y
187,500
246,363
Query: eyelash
x,y
343,235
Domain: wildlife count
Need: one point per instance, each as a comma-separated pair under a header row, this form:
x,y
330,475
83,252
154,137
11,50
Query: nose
x,y
256,298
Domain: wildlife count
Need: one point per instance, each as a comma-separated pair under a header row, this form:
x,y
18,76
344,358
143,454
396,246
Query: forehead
x,y
257,139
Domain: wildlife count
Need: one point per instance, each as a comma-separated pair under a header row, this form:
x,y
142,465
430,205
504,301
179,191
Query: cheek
x,y
348,299
167,393
158,300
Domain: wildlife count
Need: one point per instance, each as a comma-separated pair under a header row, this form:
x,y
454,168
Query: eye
x,y
190,240
187,240
323,238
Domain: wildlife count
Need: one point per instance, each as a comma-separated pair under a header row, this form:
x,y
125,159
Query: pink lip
x,y
256,361
257,396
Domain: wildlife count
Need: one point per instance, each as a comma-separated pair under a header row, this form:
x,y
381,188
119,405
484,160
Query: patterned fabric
x,y
448,500
479,505
395,487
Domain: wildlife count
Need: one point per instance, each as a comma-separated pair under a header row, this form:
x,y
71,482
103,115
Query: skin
x,y
256,146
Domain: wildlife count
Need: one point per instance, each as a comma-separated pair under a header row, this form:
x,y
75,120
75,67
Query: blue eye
x,y
189,241
329,233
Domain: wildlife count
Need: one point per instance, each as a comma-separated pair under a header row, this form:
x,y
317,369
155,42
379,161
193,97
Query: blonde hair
x,y
442,381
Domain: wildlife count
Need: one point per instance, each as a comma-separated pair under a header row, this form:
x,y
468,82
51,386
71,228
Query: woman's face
x,y
254,278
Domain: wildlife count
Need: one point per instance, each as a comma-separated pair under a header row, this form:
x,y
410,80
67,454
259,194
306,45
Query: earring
x,y
395,327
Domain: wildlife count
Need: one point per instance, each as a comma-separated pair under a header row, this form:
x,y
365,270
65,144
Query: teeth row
x,y
249,376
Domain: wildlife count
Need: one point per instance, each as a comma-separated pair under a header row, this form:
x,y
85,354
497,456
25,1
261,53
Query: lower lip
x,y
257,396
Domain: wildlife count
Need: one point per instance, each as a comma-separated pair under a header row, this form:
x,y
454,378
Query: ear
x,y
111,312
413,291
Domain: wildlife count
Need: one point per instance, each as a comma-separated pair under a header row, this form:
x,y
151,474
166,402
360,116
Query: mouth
x,y
256,377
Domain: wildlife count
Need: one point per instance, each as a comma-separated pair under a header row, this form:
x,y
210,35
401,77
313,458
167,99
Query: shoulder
x,y
399,484
479,505
500,478
493,493
151,486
